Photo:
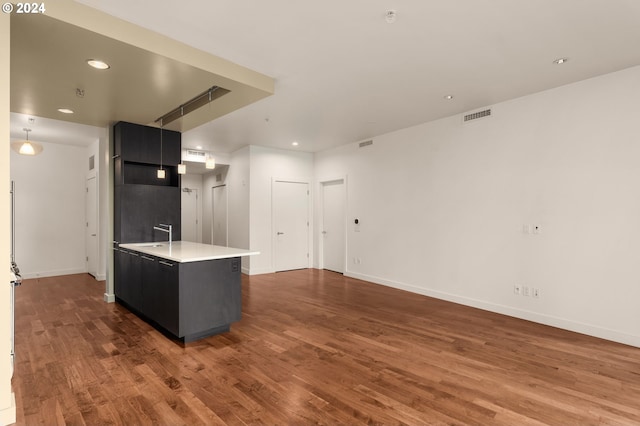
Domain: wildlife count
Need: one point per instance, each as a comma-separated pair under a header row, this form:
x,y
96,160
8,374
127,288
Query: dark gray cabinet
x,y
188,300
141,199
162,295
128,276
141,144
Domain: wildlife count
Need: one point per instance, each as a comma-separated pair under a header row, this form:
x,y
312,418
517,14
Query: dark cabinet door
x,y
149,276
161,295
168,296
128,286
117,272
141,144
171,148
134,280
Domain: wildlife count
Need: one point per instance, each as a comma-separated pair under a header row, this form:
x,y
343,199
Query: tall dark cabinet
x,y
142,201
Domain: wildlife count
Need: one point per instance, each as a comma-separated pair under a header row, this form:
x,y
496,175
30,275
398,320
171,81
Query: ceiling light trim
x,y
98,64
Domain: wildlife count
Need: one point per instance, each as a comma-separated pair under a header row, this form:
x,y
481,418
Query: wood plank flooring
x,y
313,347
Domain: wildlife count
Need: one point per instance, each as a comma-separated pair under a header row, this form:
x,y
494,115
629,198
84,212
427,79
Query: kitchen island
x,y
189,290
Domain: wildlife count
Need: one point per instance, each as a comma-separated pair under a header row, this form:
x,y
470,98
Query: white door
x,y
291,225
91,233
219,234
189,223
333,226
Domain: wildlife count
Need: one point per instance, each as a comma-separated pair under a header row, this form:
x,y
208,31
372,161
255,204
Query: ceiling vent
x,y
193,155
476,115
365,143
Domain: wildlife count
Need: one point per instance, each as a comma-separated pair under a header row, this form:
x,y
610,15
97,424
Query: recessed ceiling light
x,y
560,61
199,147
98,64
448,97
294,143
65,110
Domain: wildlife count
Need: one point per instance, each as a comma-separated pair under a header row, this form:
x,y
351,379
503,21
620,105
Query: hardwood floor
x,y
312,347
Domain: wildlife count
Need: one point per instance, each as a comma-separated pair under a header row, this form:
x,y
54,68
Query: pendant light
x,y
161,172
26,147
182,169
210,163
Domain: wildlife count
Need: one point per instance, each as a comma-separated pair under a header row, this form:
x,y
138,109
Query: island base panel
x,y
206,333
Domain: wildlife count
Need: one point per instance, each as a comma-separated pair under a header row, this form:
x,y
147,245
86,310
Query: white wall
x,y
268,164
211,180
238,202
442,207
50,210
105,239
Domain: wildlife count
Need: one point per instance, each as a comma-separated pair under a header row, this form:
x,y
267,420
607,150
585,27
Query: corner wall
x,y
267,164
442,207
50,210
238,202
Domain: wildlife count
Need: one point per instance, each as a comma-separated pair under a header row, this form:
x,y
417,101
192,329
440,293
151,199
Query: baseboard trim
x,y
109,298
8,414
563,323
55,273
259,271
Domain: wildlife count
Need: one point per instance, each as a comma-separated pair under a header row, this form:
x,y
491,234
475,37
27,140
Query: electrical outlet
x,y
525,291
517,289
536,293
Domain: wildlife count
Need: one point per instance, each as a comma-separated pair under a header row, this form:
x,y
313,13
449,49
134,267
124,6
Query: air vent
x,y
192,153
365,143
476,115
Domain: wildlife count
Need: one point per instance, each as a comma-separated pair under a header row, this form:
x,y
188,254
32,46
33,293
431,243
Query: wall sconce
x,y
26,147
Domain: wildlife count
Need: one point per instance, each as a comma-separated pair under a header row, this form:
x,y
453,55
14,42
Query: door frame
x,y
226,194
345,200
94,250
274,180
198,211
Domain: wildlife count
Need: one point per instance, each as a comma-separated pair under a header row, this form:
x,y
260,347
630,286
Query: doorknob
x,y
280,233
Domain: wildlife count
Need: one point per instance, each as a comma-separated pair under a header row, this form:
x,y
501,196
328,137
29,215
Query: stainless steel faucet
x,y
165,228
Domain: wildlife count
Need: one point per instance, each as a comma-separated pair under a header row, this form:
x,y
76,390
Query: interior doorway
x,y
219,216
291,225
91,228
333,225
190,226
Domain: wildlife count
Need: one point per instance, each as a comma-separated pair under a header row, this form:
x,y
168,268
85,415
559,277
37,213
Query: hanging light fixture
x,y
161,172
26,147
210,163
182,169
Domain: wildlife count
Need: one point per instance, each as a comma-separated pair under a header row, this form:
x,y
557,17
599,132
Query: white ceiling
x,y
344,74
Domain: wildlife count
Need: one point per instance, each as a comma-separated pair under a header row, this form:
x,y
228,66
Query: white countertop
x,y
187,251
